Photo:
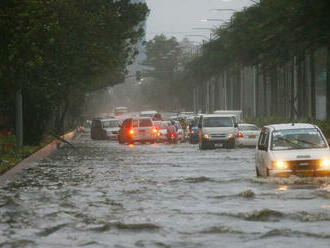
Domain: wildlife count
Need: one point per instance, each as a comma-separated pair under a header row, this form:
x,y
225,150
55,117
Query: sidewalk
x,y
36,156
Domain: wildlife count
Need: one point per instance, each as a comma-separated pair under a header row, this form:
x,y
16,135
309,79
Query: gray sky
x,y
179,17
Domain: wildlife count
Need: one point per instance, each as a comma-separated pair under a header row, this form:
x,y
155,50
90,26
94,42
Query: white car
x,y
111,126
216,129
162,131
148,113
140,129
248,135
292,149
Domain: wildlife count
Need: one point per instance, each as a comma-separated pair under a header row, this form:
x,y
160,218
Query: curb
x,y
37,156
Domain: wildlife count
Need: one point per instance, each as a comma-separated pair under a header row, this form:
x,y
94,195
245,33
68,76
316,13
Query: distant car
x,y
216,129
140,129
120,110
97,130
193,131
247,135
162,131
292,149
148,113
111,126
180,132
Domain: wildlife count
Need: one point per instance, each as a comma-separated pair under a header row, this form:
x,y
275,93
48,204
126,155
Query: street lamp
x,y
197,35
202,28
224,9
212,19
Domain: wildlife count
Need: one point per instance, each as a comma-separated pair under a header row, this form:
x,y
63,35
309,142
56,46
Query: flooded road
x,y
102,194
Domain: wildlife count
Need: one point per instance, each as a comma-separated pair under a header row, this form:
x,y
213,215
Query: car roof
x,y
217,115
110,119
247,124
284,126
149,112
142,118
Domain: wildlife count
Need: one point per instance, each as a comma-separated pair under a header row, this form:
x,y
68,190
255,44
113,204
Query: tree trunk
x,y
257,108
60,120
313,91
274,91
264,77
328,83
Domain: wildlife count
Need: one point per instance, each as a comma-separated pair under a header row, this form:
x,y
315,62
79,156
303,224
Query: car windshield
x,y
218,122
145,123
248,128
164,125
297,139
107,124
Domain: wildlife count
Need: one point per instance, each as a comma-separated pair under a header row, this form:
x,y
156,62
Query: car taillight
x,y
239,135
172,135
131,132
154,131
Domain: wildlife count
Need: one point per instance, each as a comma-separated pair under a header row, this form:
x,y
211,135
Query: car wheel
x,y
267,172
257,172
230,144
203,146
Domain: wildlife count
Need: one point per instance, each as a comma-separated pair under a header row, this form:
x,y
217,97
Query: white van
x,y
292,149
236,113
148,113
217,129
140,129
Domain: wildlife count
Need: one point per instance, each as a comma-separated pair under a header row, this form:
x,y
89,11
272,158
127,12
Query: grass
x,y
14,155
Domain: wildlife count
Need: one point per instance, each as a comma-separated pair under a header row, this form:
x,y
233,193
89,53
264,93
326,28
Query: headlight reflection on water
x,y
283,188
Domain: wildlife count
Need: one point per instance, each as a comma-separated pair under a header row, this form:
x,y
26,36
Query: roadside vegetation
x,y
282,46
281,41
10,154
57,52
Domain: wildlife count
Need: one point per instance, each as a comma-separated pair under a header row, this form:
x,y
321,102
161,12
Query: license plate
x,y
252,136
141,131
304,164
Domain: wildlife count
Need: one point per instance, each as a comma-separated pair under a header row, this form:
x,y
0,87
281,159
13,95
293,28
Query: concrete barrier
x,y
37,156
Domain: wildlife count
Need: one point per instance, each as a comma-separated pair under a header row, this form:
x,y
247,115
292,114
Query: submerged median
x,y
11,156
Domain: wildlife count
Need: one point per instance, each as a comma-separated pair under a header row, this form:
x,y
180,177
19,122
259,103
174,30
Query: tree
x,y
57,51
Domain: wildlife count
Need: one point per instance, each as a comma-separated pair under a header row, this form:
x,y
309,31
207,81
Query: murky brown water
x,y
102,194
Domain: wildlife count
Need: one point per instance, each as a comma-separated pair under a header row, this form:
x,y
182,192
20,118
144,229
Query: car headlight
x,y
325,164
280,165
206,136
230,136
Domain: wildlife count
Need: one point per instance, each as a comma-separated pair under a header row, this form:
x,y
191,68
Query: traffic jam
x,y
281,150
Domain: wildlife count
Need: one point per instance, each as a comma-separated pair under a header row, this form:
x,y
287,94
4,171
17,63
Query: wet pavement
x,y
102,194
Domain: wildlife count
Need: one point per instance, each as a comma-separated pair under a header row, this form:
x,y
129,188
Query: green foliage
x,y
163,55
168,87
268,33
58,51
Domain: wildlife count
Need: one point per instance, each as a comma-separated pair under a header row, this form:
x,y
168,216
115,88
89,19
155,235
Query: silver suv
x,y
217,129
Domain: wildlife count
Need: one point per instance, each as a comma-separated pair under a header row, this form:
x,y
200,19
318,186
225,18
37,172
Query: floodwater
x,y
102,194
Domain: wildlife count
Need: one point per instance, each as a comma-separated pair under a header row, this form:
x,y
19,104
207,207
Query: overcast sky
x,y
179,17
